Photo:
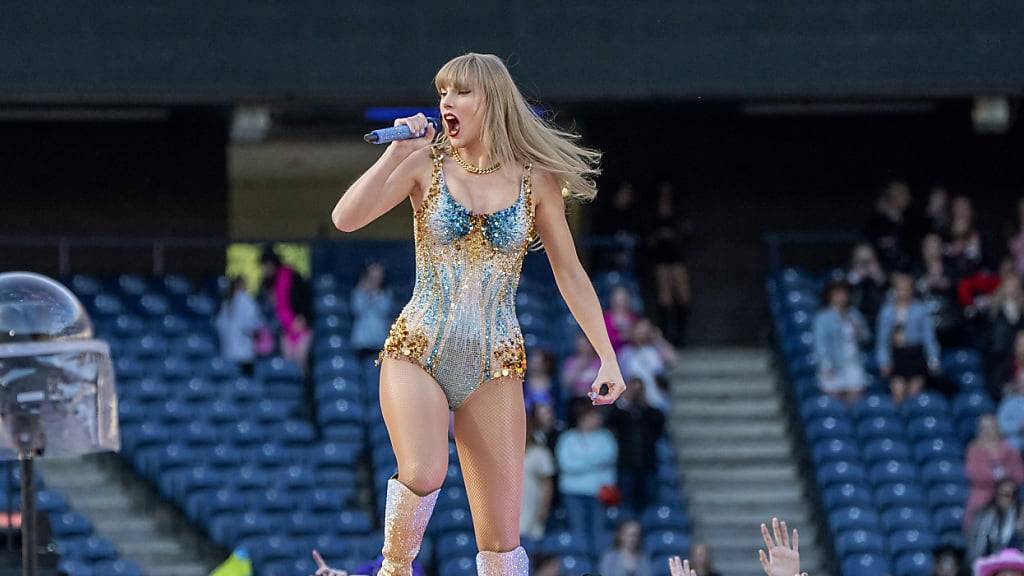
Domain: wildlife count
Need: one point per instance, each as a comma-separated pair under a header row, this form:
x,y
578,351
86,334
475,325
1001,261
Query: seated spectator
x,y
580,369
371,312
637,428
626,557
998,525
1007,315
620,317
948,560
990,460
935,284
538,484
238,322
1015,244
539,384
587,456
647,356
937,216
1011,411
838,333
700,559
905,344
867,281
888,229
291,304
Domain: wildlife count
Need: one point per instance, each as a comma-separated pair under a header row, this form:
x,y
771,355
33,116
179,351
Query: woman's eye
x,y
463,91
441,94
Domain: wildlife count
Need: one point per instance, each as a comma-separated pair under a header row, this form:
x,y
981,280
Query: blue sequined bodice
x,y
460,323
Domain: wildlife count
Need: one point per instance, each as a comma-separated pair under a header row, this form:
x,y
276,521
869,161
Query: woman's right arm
x,y
392,178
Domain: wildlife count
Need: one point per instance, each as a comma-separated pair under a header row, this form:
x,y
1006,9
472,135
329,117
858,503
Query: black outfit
x,y
867,295
637,428
995,530
666,241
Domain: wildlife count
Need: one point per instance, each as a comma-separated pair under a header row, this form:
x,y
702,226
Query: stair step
x,y
741,520
125,525
775,430
781,471
107,502
176,570
744,410
741,452
723,387
753,496
141,548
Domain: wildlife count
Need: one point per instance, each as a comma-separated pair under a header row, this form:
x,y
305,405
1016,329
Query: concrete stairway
x,y
735,453
121,508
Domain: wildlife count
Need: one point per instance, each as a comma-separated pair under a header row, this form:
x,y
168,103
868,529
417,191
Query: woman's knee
x,y
422,478
499,542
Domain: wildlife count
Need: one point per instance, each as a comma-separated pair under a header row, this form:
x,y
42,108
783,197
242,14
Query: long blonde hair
x,y
513,133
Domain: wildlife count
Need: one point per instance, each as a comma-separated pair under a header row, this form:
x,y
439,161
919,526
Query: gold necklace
x,y
471,168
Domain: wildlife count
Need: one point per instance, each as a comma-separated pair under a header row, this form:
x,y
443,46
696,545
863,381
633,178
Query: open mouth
x,y
451,124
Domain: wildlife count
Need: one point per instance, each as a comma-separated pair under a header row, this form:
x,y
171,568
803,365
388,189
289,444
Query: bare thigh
x,y
416,414
490,433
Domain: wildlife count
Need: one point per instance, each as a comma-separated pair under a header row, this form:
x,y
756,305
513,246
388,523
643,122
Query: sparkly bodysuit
x,y
460,324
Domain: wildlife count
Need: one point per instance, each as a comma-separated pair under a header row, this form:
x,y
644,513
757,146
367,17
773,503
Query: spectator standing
x,y
587,457
238,323
1010,372
619,224
1011,412
906,347
580,369
620,317
1006,311
936,286
937,216
990,460
637,428
666,248
626,557
889,230
290,297
965,242
868,282
372,303
538,484
838,333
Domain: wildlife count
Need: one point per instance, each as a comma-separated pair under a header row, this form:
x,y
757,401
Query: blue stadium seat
x,y
846,495
908,541
852,518
196,346
278,370
50,502
340,412
458,566
926,427
943,472
925,404
859,542
217,369
835,449
69,525
949,519
129,326
959,361
564,542
914,563
660,517
873,405
119,567
822,407
200,305
338,388
972,403
970,381
453,520
91,549
906,518
938,449
892,472
451,497
153,305
456,545
868,564
246,433
944,495
881,449
828,428
666,541
841,473
900,494
74,568
879,427
224,456
576,565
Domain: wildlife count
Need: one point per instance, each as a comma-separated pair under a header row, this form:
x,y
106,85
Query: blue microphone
x,y
386,135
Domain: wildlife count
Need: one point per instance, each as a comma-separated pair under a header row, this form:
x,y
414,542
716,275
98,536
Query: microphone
x,y
387,135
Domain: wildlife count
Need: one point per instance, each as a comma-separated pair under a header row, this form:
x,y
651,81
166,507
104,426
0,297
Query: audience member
x,y
587,456
906,347
888,229
937,216
1015,243
238,322
637,428
948,560
291,306
998,524
666,248
1010,372
538,484
838,333
539,385
626,557
1009,562
580,369
867,281
990,459
965,246
936,286
700,559
545,564
372,306
1007,315
619,222
647,356
1011,409
620,317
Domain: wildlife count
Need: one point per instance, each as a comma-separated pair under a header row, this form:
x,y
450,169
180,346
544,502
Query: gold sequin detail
x,y
511,358
402,343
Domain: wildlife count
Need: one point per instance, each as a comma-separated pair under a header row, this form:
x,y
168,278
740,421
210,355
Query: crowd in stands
x,y
929,278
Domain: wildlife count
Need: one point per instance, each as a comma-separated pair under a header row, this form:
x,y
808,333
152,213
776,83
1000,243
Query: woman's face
x,y
462,110
963,210
621,299
590,420
931,247
545,415
988,428
643,332
629,535
904,287
1006,495
863,257
838,297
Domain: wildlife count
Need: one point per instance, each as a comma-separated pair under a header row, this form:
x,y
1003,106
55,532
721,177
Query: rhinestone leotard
x,y
460,324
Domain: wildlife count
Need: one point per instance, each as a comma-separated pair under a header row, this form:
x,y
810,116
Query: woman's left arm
x,y
573,282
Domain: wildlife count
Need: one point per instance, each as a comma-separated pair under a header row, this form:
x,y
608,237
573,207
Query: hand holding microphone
x,y
411,129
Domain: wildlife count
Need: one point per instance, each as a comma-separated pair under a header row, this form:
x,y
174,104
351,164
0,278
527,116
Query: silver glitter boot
x,y
405,520
511,563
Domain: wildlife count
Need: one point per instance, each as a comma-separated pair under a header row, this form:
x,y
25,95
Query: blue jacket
x,y
828,336
586,461
919,331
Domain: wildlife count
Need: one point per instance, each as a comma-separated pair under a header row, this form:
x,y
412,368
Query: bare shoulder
x,y
545,187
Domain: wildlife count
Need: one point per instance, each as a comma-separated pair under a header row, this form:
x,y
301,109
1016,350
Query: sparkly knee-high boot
x,y
511,563
405,520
